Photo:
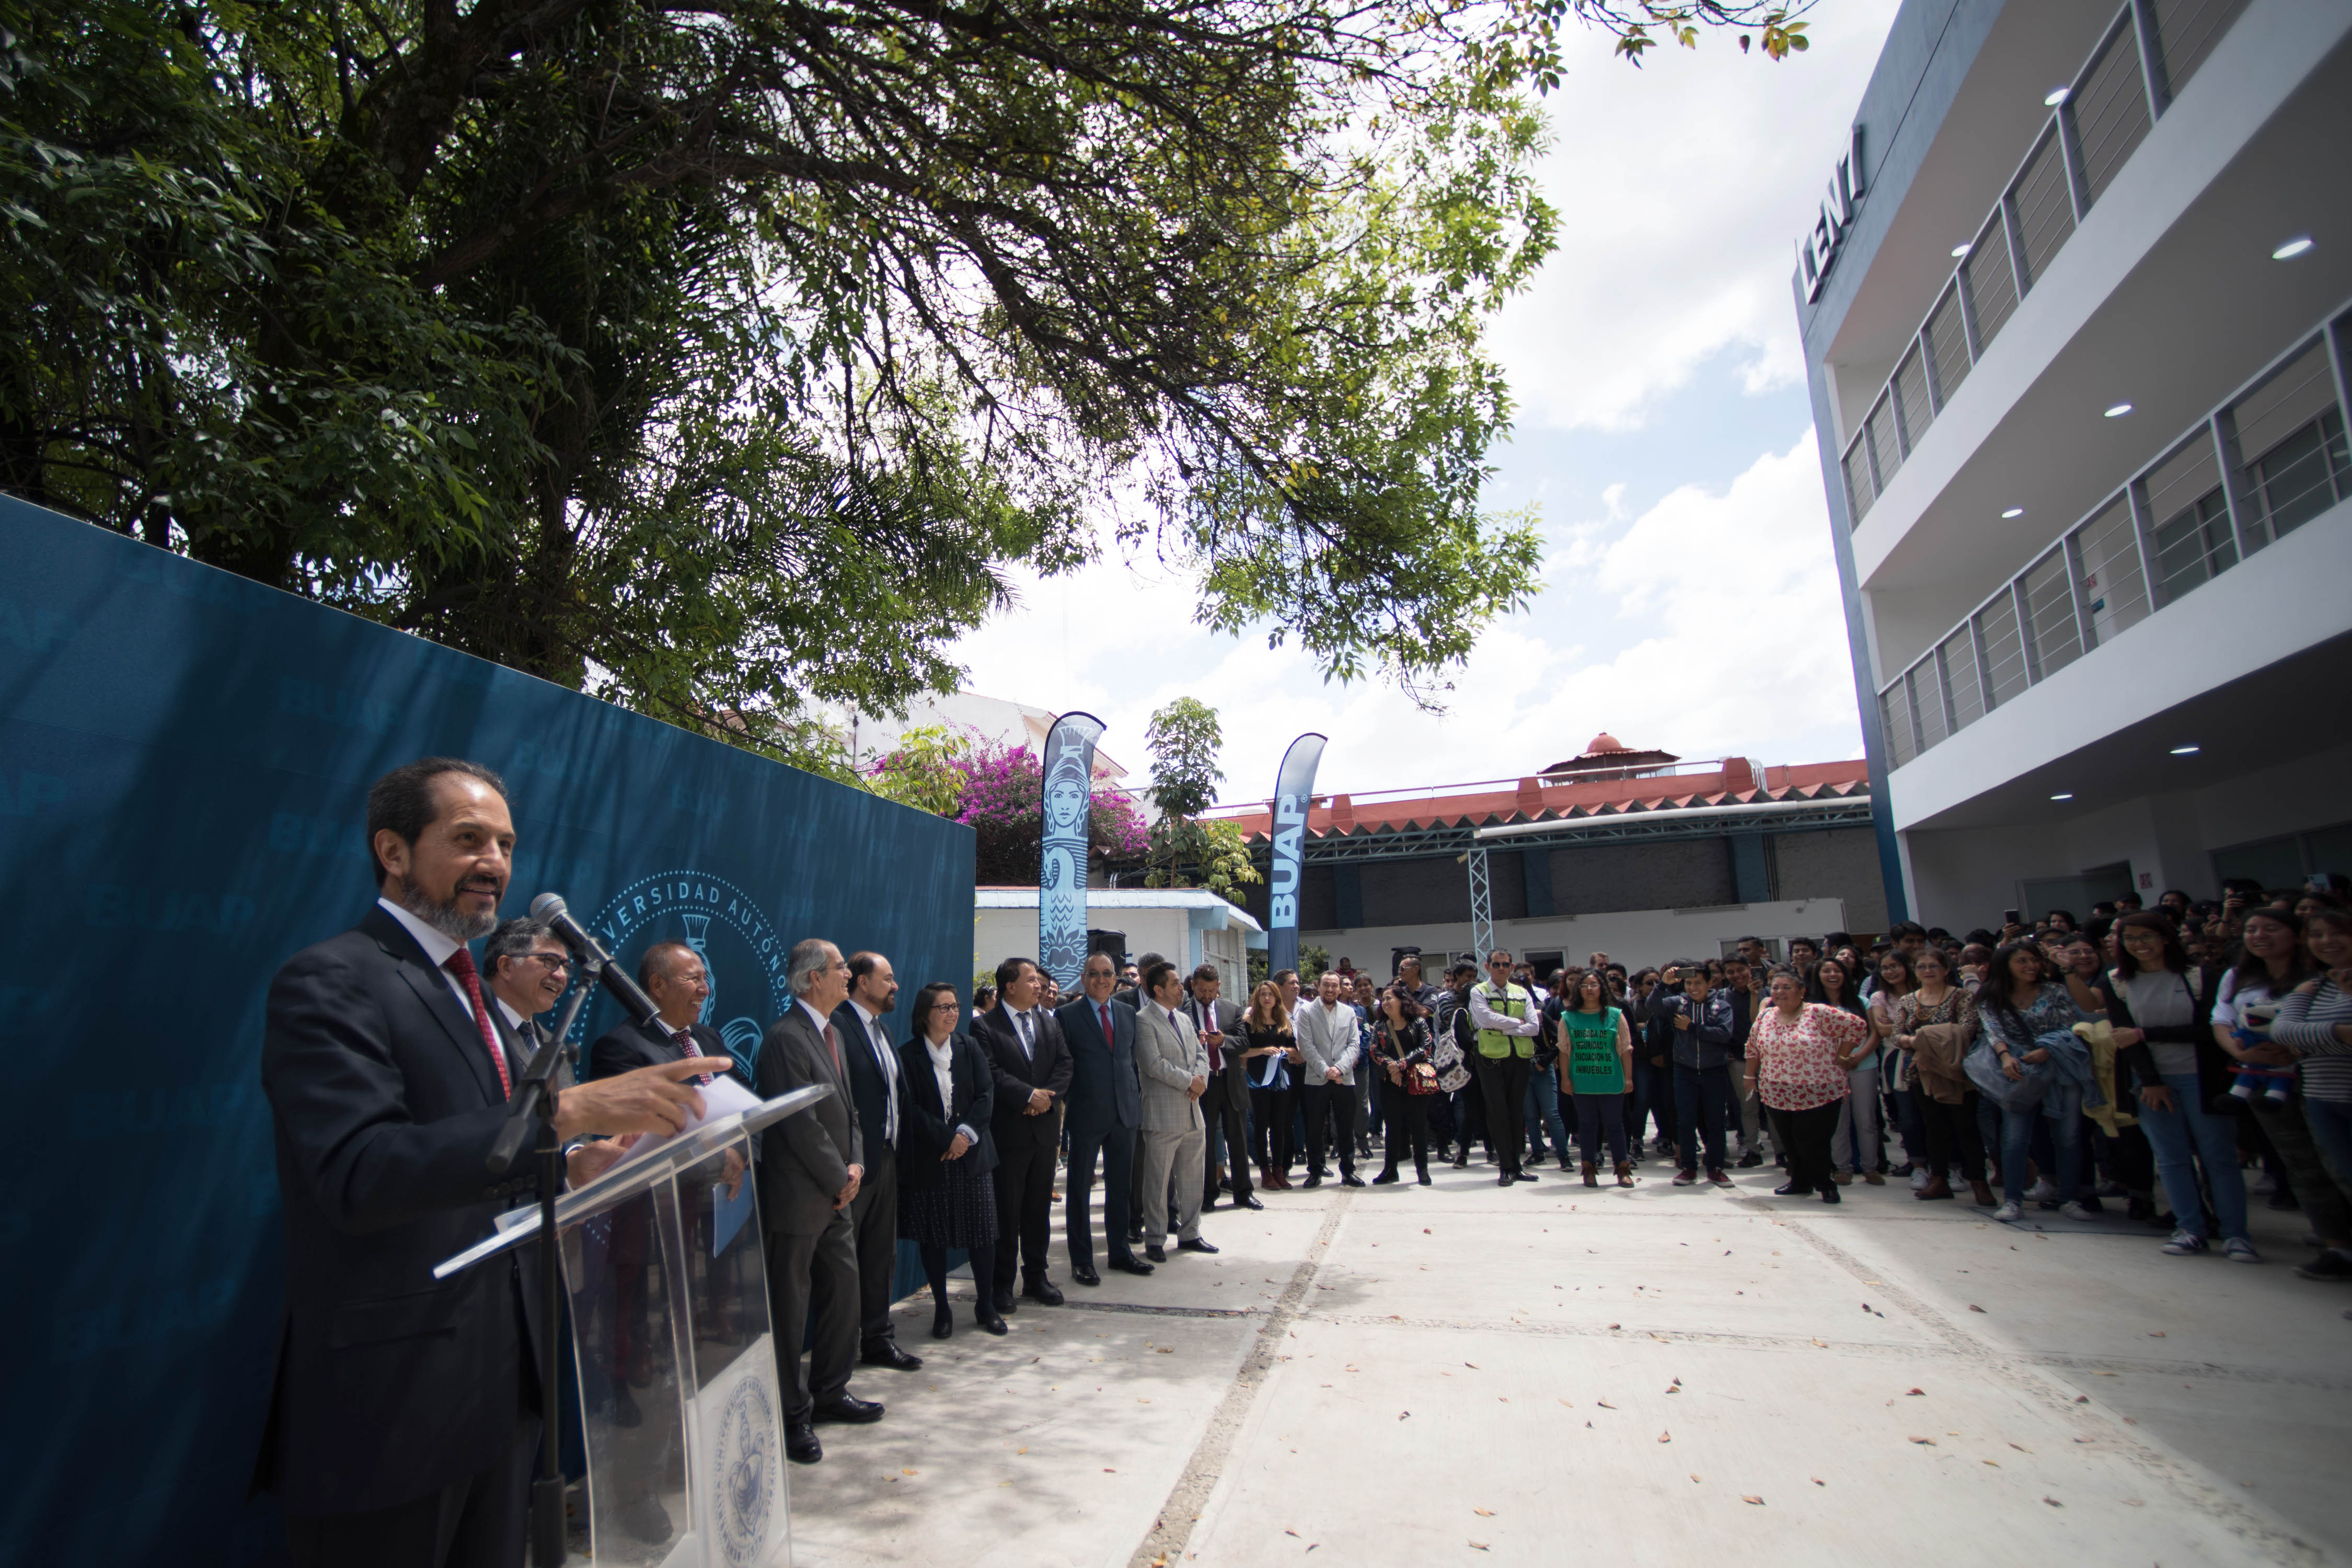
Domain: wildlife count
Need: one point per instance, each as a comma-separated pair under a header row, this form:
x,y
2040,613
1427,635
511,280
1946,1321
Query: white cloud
x,y
1710,624
1681,189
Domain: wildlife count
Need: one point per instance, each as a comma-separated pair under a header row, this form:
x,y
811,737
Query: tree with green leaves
x,y
1186,852
1184,738
719,356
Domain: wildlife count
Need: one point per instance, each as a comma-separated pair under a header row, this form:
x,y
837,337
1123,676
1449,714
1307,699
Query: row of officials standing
x,y
405,1413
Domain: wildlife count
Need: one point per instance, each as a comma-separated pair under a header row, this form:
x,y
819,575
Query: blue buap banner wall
x,y
184,762
1294,792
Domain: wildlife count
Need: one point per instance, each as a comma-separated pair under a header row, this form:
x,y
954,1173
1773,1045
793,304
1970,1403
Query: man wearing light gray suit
x,y
1173,1069
1326,1079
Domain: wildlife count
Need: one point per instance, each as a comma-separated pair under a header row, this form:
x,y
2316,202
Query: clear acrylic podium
x,y
665,1263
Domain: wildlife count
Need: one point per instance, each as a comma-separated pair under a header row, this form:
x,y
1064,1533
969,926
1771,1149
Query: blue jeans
x,y
2185,1137
1702,1101
1543,1111
2065,1136
2331,1128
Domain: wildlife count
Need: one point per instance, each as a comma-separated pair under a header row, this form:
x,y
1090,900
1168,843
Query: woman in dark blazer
x,y
947,1193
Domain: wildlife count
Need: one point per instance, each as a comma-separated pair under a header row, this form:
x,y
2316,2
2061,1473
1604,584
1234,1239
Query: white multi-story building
x,y
2075,313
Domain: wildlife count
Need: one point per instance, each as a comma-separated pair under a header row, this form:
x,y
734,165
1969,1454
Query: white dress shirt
x,y
943,1070
886,1055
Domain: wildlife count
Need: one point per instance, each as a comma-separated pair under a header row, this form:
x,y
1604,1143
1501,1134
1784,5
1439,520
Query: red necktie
x,y
461,964
687,1047
832,1044
1104,1009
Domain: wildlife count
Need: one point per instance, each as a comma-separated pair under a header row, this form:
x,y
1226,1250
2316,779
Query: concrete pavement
x,y
1464,1374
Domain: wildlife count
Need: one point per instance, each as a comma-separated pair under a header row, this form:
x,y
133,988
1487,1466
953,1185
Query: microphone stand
x,y
534,1105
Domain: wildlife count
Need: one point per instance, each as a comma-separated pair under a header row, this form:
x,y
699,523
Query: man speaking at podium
x,y
405,1411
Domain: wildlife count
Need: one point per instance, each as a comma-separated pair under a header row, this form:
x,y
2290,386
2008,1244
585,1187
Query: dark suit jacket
x,y
1017,1076
630,1045
1104,1091
805,1160
389,1384
867,1090
926,1127
1228,1015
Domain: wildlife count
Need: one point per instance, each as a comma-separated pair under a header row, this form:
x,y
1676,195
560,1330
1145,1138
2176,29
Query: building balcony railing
x,y
2143,61
2198,510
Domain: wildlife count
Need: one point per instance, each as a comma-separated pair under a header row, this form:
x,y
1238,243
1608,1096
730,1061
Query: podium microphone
x,y
550,908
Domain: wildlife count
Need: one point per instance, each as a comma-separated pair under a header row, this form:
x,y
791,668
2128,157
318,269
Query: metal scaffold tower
x,y
1482,904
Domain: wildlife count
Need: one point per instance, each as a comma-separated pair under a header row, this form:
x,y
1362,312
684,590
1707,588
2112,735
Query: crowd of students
x,y
2153,1056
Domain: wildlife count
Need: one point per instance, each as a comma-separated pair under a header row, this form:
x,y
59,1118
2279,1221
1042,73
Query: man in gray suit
x,y
1174,1072
810,1165
1327,1038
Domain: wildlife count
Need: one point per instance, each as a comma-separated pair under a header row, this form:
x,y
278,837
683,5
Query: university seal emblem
x,y
744,1472
741,953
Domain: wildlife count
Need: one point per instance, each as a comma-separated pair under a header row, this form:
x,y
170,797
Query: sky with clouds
x,y
1688,598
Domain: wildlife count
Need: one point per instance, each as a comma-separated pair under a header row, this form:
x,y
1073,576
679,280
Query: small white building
x,y
1189,926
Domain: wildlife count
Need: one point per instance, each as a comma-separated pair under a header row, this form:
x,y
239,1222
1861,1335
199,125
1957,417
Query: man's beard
x,y
446,919
887,1005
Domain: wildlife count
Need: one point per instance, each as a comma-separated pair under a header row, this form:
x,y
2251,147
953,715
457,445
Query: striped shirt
x,y
2306,1025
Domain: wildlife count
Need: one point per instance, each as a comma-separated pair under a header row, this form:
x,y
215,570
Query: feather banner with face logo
x,y
1069,767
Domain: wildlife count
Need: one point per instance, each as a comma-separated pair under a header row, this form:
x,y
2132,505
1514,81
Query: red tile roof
x,y
1736,781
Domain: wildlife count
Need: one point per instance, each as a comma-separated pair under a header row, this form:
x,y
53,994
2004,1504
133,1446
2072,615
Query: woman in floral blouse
x,y
1799,1054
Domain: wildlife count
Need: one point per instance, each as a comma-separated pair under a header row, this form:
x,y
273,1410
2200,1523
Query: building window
x,y
2286,861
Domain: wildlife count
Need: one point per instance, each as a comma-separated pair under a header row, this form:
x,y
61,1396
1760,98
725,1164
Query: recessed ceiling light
x,y
2190,751
2292,248
2063,795
1960,251
2118,411
2057,96
2014,512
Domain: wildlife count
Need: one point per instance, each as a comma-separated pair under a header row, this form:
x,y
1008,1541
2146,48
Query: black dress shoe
x,y
800,1446
1043,1292
1750,1160
1314,1181
886,1353
1130,1265
1385,1177
991,1323
1792,1190
1504,1179
1156,1254
1830,1194
1194,1244
1005,1303
1422,1178
1084,1275
849,1410
943,1323
1351,1180
1134,1238
1523,1176
1250,1202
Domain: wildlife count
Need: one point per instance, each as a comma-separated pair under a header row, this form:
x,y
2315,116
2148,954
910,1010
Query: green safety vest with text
x,y
1512,1003
1592,1064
